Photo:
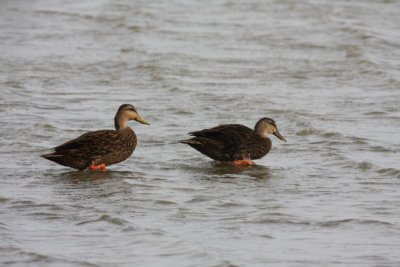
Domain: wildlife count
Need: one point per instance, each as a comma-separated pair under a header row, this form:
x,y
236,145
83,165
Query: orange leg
x,y
243,162
101,167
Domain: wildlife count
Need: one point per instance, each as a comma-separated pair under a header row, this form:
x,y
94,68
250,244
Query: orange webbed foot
x,y
92,167
101,167
243,162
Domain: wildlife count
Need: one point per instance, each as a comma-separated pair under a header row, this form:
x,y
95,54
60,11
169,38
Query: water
x,y
326,71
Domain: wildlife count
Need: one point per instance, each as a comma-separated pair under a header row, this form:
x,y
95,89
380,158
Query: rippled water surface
x,y
327,71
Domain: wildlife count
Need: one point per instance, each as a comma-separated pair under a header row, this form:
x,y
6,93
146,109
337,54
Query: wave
x,y
105,218
337,223
390,172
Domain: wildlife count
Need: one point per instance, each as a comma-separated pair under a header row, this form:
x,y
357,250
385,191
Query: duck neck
x,y
120,122
263,134
261,131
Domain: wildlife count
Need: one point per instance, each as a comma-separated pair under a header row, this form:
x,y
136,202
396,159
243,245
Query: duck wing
x,y
91,144
225,142
229,134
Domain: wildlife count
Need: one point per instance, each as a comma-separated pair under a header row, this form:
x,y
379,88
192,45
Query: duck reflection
x,y
226,170
253,171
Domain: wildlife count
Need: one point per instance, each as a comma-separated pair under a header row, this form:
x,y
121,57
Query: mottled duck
x,y
234,142
98,149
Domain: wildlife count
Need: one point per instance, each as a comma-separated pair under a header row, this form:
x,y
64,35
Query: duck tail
x,y
50,155
190,142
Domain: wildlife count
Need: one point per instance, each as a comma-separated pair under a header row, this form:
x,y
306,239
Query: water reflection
x,y
92,185
226,170
87,176
254,171
81,176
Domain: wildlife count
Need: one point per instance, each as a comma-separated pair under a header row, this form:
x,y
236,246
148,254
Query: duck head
x,y
125,113
267,126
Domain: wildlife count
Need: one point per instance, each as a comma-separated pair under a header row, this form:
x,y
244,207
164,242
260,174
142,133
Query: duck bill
x,y
277,134
141,120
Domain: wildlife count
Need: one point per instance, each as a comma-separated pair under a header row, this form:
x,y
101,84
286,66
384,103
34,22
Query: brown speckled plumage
x,y
99,147
231,142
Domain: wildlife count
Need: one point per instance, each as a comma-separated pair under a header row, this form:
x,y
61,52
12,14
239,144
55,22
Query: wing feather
x,y
97,142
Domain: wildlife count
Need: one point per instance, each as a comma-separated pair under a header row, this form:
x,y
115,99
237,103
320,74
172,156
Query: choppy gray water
x,y
327,71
